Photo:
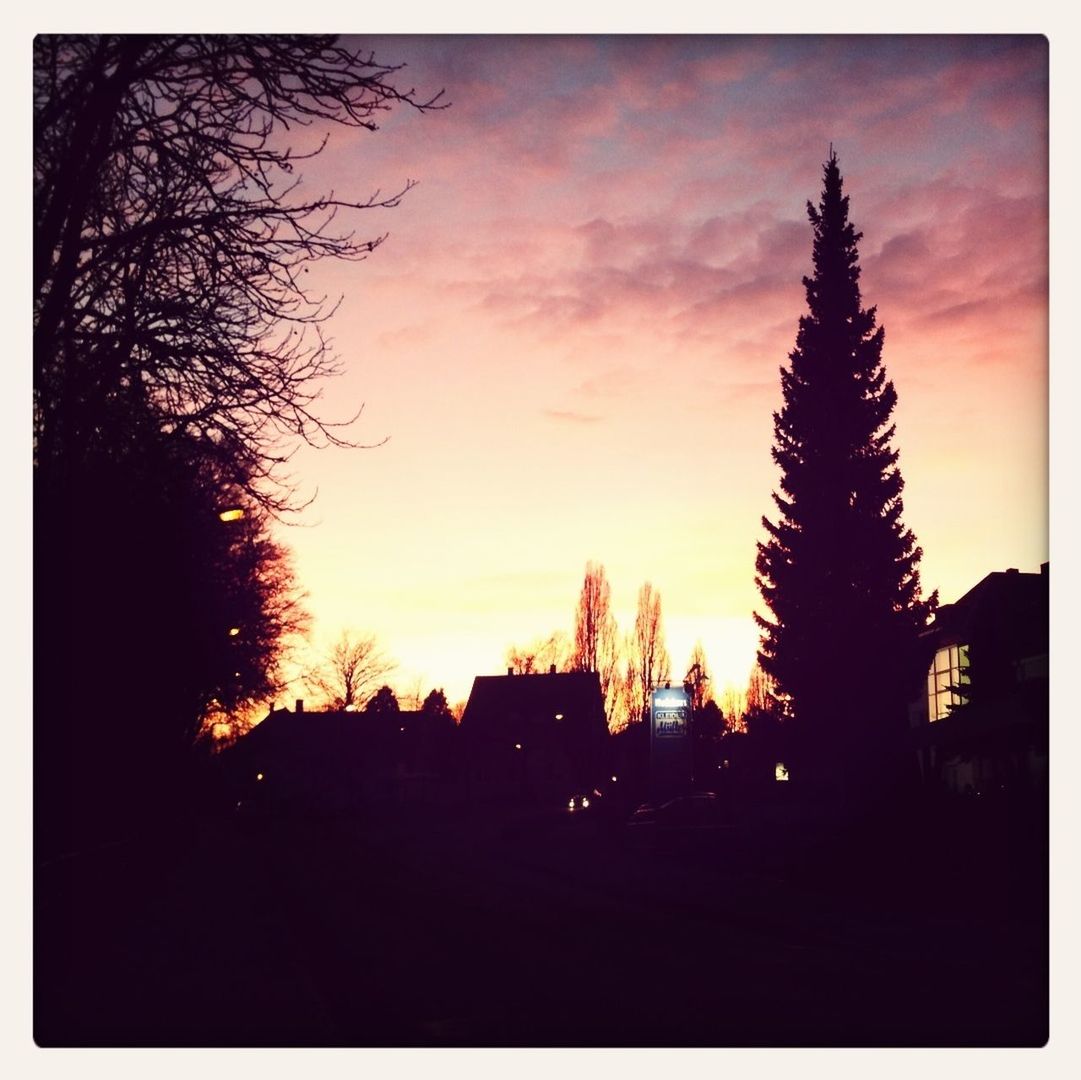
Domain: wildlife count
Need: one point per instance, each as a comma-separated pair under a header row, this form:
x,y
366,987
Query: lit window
x,y
780,771
948,672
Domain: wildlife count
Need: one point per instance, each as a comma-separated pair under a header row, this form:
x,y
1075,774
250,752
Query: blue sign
x,y
670,741
671,712
669,723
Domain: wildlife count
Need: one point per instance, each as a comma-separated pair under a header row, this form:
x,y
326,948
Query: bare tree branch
x,y
348,677
171,240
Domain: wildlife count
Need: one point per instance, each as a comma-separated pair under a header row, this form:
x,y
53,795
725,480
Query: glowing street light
x,y
234,513
233,631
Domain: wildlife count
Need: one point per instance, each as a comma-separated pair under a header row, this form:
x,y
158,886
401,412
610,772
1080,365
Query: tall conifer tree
x,y
839,571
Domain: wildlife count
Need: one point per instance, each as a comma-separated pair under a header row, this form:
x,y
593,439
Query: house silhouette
x,y
535,739
342,761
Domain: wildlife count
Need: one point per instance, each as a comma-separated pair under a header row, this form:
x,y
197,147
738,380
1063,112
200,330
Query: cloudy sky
x,y
571,338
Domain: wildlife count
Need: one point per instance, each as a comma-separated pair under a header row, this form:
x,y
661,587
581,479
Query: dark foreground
x,y
524,930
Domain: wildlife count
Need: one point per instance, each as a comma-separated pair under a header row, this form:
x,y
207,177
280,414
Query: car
x,y
700,810
584,801
646,814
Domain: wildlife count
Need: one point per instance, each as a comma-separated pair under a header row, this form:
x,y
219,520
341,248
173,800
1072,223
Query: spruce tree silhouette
x,y
839,571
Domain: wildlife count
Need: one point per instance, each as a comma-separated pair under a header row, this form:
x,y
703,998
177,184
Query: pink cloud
x,y
570,416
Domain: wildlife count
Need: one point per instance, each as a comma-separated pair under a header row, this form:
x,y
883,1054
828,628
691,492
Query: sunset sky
x,y
571,338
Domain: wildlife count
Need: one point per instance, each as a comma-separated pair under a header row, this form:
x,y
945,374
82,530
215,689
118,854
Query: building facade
x,y
980,725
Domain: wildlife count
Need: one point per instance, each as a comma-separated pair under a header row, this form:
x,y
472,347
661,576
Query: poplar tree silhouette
x,y
839,571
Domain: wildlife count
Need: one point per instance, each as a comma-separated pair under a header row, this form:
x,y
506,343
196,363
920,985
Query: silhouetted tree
x,y
350,672
172,235
763,723
698,679
177,355
733,705
648,662
707,727
255,596
435,705
383,702
162,618
596,646
761,696
539,656
839,571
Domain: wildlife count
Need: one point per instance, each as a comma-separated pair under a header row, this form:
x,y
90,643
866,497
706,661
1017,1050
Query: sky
x,y
942,148
571,338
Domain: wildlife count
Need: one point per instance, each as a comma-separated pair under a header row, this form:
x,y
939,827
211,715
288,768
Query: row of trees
x,y
628,666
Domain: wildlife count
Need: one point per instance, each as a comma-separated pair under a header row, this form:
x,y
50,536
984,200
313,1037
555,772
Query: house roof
x,y
334,734
570,699
1012,604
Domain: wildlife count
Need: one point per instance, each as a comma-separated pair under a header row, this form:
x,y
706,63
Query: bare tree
x,y
734,708
596,643
413,696
172,234
350,673
178,357
540,655
698,678
761,691
622,709
648,662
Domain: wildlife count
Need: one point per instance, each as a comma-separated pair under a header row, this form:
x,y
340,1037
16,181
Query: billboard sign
x,y
670,709
670,740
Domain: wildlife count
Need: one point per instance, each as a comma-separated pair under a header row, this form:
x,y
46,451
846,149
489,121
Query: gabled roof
x,y
331,734
571,699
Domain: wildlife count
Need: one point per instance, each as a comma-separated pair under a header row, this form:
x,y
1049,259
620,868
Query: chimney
x,y
552,669
300,705
1044,569
510,671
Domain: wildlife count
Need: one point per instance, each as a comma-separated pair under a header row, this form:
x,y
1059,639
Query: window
x,y
949,670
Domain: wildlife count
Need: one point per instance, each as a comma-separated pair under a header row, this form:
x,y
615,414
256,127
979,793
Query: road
x,y
520,930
